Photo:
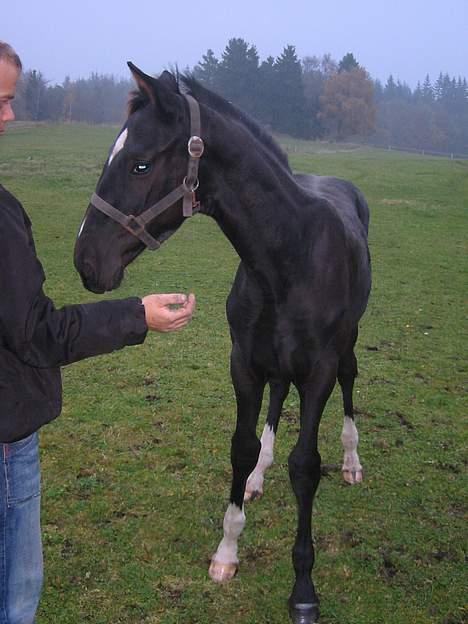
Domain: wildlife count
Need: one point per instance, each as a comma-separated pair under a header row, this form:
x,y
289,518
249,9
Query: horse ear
x,y
169,80
144,82
161,91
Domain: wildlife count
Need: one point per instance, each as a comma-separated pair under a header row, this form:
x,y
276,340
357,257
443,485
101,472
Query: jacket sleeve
x,y
30,325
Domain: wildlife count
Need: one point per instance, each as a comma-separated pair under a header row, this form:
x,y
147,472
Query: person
x,y
36,339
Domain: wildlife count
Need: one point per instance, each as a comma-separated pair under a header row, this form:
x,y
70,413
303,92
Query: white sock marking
x,y
265,460
350,440
118,145
234,522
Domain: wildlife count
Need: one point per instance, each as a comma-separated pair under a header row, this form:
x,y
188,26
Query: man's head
x,y
10,69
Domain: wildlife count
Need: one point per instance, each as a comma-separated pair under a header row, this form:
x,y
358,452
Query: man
x,y
35,340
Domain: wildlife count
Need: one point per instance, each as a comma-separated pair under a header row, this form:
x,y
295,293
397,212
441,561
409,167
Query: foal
x,y
300,290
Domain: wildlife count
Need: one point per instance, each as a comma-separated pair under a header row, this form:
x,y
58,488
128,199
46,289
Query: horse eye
x,y
141,168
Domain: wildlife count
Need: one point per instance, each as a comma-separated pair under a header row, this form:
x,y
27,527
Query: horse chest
x,y
272,349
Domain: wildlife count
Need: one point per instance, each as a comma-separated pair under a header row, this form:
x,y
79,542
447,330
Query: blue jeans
x,y
21,567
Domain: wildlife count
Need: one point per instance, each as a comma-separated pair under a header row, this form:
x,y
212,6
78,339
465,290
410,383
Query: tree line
x,y
315,97
434,116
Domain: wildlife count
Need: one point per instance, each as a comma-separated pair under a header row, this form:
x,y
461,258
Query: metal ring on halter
x,y
195,146
193,188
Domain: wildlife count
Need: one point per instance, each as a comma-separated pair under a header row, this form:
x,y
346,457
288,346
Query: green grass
x,y
136,471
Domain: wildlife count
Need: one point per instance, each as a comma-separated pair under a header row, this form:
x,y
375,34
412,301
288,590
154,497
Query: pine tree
x,y
438,88
418,92
268,91
207,70
390,90
348,63
237,75
427,90
290,107
34,91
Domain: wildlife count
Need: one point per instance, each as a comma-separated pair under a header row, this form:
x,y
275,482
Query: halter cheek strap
x,y
137,225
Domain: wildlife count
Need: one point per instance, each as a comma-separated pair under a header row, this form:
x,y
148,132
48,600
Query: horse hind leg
x,y
347,373
278,393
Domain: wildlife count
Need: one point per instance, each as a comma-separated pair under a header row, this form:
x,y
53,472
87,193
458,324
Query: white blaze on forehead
x,y
81,227
118,145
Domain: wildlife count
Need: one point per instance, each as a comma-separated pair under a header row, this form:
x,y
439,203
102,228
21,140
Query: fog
x,y
405,38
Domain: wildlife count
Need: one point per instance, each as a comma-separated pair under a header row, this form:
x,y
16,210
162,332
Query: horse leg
x,y
245,449
304,472
347,373
278,393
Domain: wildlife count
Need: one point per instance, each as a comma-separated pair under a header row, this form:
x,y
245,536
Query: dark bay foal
x,y
300,290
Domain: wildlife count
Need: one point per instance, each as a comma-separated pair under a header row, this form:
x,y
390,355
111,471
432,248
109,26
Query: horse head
x,y
147,162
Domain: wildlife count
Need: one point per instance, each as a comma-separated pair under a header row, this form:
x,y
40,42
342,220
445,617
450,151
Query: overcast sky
x,y
406,38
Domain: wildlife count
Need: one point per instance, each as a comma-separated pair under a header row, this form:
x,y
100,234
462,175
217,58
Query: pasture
x,y
136,471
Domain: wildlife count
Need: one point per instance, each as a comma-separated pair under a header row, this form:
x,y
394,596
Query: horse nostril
x,y
84,261
85,268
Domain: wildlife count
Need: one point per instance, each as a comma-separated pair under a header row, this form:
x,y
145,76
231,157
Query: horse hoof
x,y
352,476
304,613
222,572
251,495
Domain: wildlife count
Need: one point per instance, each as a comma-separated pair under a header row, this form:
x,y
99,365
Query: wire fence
x,y
423,152
325,147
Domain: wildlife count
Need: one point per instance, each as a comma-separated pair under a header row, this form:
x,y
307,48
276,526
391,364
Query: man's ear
x,y
162,92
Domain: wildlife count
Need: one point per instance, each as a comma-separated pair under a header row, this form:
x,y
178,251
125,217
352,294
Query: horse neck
x,y
250,194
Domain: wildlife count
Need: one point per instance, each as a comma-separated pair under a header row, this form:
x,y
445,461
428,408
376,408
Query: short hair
x,y
9,55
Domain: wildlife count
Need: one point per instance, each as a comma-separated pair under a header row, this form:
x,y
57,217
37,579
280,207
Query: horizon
x,y
408,41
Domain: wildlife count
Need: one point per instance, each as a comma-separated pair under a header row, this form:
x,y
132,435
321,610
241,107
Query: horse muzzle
x,y
97,277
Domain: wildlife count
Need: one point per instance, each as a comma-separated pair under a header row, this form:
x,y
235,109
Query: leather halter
x,y
136,225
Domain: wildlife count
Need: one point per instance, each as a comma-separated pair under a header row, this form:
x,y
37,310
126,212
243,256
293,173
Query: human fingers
x,y
166,299
191,303
173,324
182,313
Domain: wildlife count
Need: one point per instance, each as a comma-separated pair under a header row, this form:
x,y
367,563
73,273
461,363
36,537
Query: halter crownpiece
x,y
136,225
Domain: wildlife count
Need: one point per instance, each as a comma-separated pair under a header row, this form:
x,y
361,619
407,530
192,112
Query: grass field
x,y
136,471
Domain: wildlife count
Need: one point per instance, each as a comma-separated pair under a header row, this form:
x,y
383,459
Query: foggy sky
x,y
406,38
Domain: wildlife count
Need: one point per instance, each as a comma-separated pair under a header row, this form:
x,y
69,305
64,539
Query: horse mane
x,y
219,104
138,99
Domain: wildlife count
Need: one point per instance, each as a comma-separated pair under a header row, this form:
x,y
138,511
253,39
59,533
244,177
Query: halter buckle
x,y
195,146
134,226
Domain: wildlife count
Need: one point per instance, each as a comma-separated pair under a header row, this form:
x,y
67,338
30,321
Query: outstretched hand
x,y
168,312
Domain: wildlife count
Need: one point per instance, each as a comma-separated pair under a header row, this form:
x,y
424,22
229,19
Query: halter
x,y
136,225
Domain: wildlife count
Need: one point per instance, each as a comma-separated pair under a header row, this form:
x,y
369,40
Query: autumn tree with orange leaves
x,y
347,105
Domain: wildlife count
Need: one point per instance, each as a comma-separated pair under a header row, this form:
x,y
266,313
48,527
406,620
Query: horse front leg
x,y
245,449
278,393
304,472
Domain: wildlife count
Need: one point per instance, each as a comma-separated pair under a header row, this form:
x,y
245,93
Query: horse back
x,y
346,198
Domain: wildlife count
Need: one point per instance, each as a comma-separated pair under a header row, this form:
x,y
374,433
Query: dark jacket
x,y
36,338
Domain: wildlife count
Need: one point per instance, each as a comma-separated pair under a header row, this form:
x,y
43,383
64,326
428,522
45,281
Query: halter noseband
x,y
136,225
